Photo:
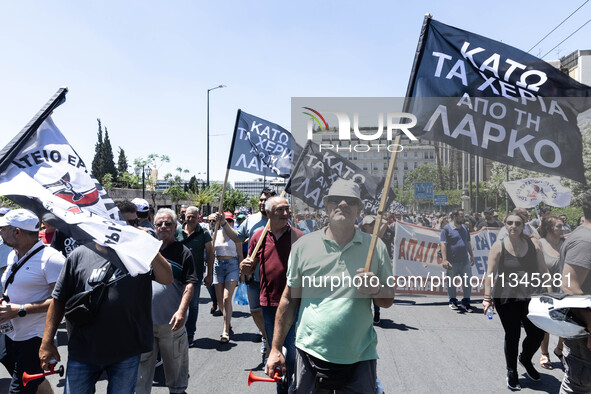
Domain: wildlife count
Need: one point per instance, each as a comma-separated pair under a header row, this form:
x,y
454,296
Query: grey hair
x,y
193,208
167,211
271,200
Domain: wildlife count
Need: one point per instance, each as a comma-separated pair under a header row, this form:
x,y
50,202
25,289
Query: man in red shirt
x,y
273,256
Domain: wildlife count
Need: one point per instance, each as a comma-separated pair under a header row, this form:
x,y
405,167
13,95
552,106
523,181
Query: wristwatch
x,y
22,312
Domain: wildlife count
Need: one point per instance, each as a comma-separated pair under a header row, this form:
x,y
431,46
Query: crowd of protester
x,y
194,254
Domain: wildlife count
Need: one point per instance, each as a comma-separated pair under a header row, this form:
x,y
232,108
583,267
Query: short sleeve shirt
x,y
457,240
576,250
167,298
273,256
32,283
330,318
123,325
196,244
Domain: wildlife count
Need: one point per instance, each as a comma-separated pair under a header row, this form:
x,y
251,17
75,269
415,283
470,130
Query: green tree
x,y
193,184
205,195
129,181
107,181
5,202
253,203
234,198
175,188
153,161
107,156
122,165
98,168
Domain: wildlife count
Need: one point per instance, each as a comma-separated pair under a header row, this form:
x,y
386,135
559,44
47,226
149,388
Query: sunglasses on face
x,y
165,224
337,200
511,223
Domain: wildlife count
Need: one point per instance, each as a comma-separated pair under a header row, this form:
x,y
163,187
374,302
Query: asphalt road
x,y
424,347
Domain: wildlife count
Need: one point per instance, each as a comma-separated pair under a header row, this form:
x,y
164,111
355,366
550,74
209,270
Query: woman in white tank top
x,y
226,270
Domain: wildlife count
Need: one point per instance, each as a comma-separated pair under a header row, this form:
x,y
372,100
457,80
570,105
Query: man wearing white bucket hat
x,y
335,339
28,282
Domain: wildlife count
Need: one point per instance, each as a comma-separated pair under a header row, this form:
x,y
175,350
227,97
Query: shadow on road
x,y
209,343
246,337
240,314
548,383
389,324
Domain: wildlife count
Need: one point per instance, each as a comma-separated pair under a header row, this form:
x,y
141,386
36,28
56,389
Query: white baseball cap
x,y
141,204
21,218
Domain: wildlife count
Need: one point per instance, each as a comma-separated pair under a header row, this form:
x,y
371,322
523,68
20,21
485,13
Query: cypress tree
x,y
97,168
122,165
107,157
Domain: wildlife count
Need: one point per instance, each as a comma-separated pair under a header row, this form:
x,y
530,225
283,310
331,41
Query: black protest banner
x,y
496,101
262,147
317,169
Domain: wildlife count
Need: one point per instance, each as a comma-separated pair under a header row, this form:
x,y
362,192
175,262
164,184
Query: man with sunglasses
x,y
336,344
129,212
169,312
28,282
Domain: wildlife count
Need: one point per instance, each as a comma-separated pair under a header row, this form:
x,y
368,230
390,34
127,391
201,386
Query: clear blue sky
x,y
144,67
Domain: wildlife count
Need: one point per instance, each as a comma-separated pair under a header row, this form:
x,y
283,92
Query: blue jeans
x,y
226,270
269,313
191,324
81,377
463,270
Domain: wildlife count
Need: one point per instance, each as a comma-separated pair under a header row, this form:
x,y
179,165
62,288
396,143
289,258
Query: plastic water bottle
x,y
489,312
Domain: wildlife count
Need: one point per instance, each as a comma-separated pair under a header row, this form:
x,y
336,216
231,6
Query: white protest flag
x,y
40,171
529,192
50,160
136,248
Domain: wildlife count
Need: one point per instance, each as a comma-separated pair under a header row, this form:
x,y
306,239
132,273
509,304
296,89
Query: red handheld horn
x,y
253,378
27,378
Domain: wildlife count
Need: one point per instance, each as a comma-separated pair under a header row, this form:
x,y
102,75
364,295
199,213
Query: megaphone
x,y
27,378
275,379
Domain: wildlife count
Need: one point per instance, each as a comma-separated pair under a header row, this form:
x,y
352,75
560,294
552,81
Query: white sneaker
x,y
264,346
453,306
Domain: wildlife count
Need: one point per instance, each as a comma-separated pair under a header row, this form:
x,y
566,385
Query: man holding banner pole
x,y
335,339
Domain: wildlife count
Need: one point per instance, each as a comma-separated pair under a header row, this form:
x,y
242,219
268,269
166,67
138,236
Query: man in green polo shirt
x,y
198,240
335,339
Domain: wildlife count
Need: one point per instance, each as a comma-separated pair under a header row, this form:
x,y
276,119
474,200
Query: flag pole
x,y
287,186
221,208
390,173
11,149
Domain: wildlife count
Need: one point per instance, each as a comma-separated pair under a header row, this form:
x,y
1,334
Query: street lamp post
x,y
209,90
145,172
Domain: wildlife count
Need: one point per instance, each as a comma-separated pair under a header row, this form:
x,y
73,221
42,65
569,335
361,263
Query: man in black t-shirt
x,y
169,312
489,220
120,331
